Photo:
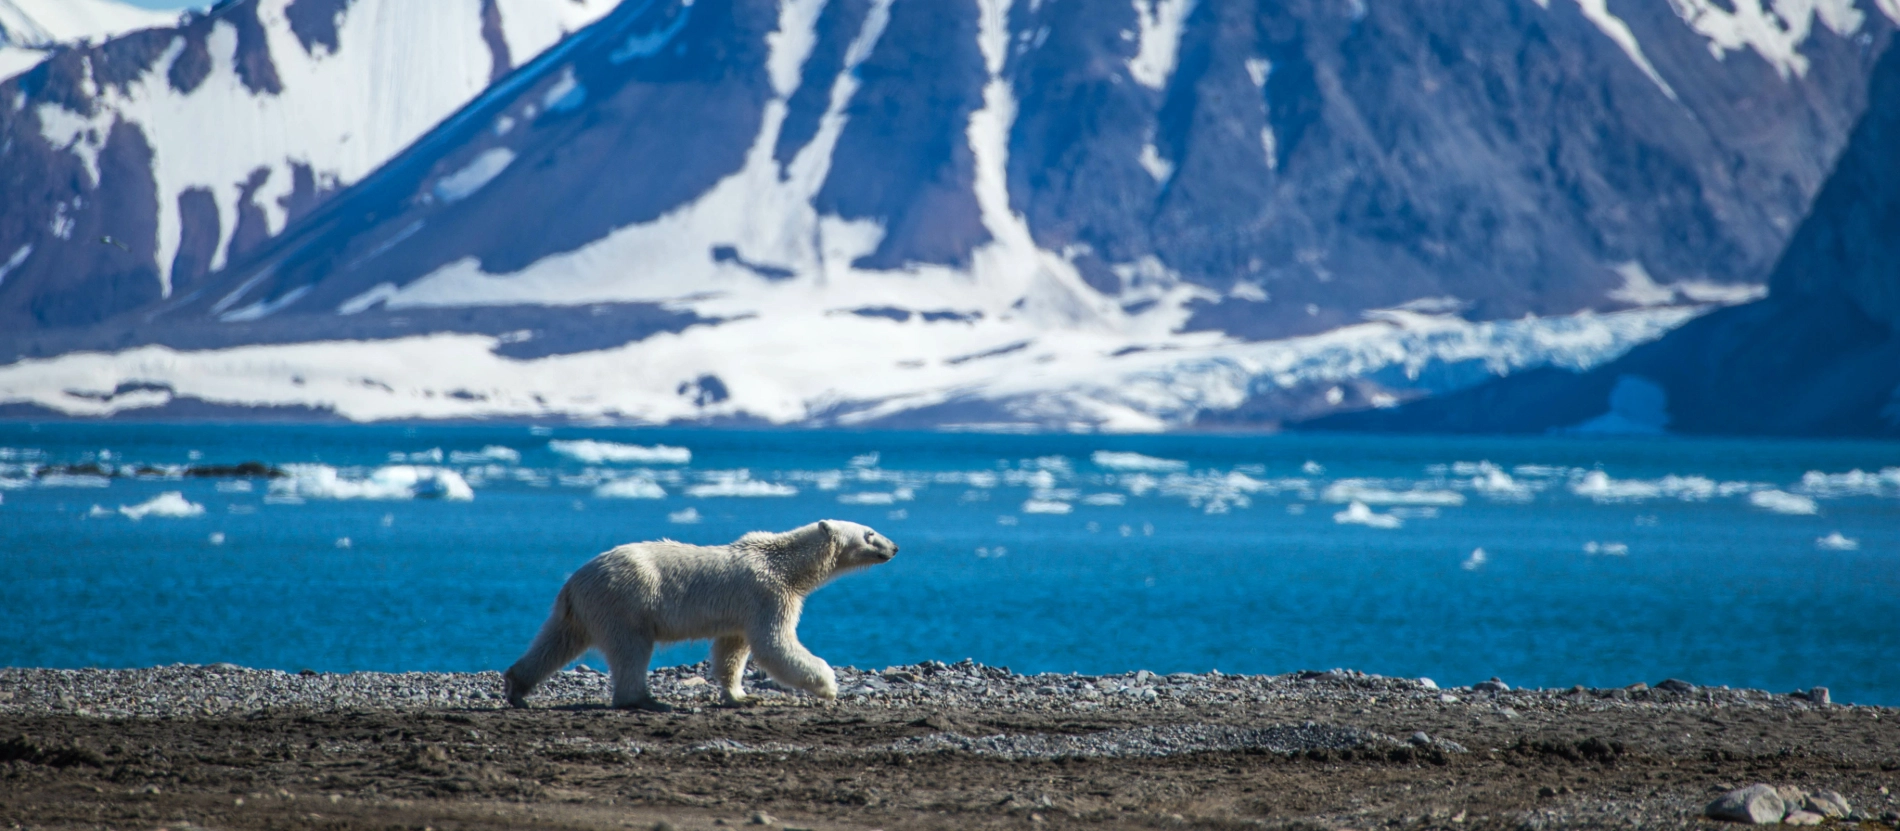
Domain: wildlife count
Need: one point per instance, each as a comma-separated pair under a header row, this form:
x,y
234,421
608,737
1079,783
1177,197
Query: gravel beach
x,y
923,746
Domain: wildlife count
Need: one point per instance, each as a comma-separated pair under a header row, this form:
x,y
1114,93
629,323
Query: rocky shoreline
x,y
1364,749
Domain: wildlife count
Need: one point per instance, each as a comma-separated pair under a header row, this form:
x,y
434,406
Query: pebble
x,y
1755,805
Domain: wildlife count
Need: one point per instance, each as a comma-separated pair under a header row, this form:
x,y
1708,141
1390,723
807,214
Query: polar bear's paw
x,y
511,689
648,704
740,701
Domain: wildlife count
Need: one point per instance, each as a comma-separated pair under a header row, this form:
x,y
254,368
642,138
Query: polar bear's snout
x,y
872,548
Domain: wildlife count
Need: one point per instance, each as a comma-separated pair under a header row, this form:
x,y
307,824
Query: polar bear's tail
x,y
562,639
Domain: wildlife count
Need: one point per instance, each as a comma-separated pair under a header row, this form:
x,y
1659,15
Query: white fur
x,y
745,596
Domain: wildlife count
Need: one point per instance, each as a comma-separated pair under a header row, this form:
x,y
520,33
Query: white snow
x,y
1783,502
168,504
474,176
340,114
1150,160
1114,460
18,259
1774,29
1598,13
317,481
786,368
1837,542
598,452
1159,25
1358,514
31,29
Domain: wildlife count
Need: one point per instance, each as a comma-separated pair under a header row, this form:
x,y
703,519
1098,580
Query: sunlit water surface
x,y
1768,564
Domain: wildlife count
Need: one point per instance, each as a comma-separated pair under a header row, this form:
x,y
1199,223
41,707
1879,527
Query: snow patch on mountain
x,y
1776,33
31,29
339,114
792,369
1158,41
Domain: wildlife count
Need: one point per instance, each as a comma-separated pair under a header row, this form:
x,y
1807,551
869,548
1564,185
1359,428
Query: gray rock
x,y
1493,685
1801,818
1676,685
1818,695
1829,804
1756,804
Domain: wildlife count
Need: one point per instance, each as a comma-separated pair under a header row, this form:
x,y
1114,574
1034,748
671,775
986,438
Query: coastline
x,y
924,746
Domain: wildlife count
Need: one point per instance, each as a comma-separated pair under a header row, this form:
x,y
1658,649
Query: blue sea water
x,y
1604,562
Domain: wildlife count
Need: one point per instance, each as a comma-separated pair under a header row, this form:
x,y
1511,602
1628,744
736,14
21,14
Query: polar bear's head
x,y
856,546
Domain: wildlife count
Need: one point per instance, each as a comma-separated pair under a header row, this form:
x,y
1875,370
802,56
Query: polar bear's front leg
x,y
776,650
728,660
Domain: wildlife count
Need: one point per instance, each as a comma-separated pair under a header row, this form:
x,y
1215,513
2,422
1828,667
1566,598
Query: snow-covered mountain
x,y
189,144
1819,356
31,29
1036,214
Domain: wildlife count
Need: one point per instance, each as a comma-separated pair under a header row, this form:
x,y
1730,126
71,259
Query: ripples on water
x,y
1548,562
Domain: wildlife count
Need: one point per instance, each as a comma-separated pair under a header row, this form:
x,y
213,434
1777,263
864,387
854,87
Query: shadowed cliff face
x,y
1819,356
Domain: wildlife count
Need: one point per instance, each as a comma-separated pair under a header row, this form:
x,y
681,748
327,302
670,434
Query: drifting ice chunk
x,y
1358,514
1135,461
1368,492
1782,502
393,482
491,453
1837,542
1104,499
597,452
686,517
739,483
638,487
167,504
1599,486
1046,506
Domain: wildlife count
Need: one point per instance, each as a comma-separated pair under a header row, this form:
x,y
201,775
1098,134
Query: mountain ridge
x,y
1077,199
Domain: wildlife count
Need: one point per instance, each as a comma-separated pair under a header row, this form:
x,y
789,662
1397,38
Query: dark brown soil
x,y
827,766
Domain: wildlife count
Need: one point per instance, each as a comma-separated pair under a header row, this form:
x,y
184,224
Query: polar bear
x,y
746,596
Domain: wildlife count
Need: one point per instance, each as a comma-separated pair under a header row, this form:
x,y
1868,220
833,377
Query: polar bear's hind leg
x,y
562,639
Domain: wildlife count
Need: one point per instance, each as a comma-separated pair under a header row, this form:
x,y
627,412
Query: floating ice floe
x,y
598,452
216,538
738,483
1374,492
1312,468
1609,549
1852,483
1114,460
1358,514
167,504
1104,499
1783,502
432,456
865,460
314,481
637,487
1476,559
1046,506
1837,542
491,453
867,498
73,480
685,517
